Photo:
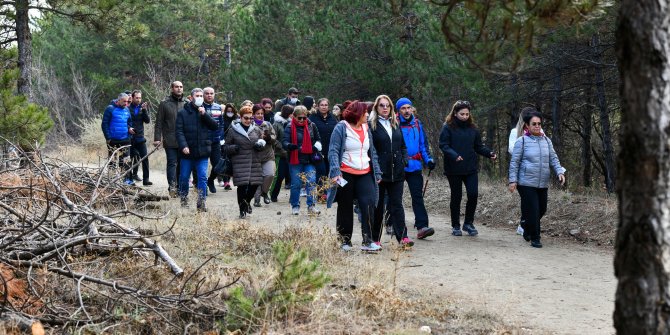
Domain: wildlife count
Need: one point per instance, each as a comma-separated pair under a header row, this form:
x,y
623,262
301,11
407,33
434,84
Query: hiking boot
x,y
147,183
425,232
470,229
227,187
312,210
406,242
370,247
173,193
295,210
346,246
266,198
184,203
389,230
137,178
519,230
202,209
456,231
210,186
257,203
536,244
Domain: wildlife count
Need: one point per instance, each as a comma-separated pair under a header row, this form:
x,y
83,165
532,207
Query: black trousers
x,y
361,187
120,161
395,209
282,175
471,188
415,185
244,195
138,151
533,207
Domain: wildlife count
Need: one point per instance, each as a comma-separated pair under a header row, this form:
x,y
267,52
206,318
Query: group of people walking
x,y
360,158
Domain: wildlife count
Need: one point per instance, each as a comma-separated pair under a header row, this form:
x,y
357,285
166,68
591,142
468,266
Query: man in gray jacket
x,y
164,132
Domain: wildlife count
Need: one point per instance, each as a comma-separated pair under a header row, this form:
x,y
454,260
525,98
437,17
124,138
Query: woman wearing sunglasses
x,y
529,174
460,141
244,141
302,142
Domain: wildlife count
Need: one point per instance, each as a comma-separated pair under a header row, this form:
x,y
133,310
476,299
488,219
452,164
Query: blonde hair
x,y
373,116
300,109
519,126
246,103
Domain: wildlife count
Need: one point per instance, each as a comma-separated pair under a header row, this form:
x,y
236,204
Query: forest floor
x,y
567,287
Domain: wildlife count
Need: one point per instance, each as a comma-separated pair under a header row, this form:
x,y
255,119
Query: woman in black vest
x,y
392,155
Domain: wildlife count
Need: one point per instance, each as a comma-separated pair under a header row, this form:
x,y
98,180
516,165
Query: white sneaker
x,y
371,247
346,247
295,210
303,193
313,210
519,230
222,184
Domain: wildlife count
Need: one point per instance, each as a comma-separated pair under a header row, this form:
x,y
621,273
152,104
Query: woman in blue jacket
x,y
529,174
460,141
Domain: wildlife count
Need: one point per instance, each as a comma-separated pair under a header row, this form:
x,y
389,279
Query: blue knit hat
x,y
402,102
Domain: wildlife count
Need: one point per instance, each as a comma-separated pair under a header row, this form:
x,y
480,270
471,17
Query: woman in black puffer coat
x,y
461,142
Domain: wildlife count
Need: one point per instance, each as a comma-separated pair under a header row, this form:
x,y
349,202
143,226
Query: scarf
x,y
258,122
306,147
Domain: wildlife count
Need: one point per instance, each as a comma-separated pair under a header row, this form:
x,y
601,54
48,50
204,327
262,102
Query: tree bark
x,y
608,147
642,258
587,130
25,48
556,115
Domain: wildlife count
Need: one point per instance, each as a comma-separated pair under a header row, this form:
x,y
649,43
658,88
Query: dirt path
x,y
562,288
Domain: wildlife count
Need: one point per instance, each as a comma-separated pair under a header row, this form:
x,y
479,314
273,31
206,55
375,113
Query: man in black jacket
x,y
138,150
195,145
164,132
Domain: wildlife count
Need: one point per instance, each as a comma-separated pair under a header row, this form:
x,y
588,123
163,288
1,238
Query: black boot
x,y
210,184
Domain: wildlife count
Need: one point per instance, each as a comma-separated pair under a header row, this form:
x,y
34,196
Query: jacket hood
x,y
237,126
279,118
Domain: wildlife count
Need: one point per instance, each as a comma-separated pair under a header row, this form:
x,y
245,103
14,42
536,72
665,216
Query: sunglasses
x,y
384,105
460,103
536,123
247,117
301,118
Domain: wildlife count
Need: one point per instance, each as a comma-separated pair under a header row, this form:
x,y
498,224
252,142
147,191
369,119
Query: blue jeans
x,y
200,166
296,183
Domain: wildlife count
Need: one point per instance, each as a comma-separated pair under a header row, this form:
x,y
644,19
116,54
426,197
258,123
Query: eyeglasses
x,y
384,105
301,118
536,123
247,117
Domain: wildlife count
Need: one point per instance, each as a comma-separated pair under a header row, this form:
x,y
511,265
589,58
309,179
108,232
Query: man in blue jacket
x,y
418,151
216,136
195,145
117,128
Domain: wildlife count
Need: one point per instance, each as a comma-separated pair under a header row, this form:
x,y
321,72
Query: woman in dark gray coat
x,y
243,144
529,174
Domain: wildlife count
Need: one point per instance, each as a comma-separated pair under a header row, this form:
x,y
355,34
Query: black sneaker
x,y
456,231
147,183
266,198
274,199
526,236
470,229
536,244
243,214
137,178
210,185
257,203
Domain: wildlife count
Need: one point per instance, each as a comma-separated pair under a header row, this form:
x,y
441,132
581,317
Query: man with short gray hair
x,y
117,128
193,128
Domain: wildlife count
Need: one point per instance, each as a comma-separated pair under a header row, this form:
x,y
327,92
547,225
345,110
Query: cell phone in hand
x,y
341,182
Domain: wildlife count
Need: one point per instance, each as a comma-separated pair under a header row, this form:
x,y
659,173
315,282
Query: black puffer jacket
x,y
139,116
391,152
465,141
192,131
325,127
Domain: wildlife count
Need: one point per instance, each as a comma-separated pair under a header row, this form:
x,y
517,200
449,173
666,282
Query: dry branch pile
x,y
68,261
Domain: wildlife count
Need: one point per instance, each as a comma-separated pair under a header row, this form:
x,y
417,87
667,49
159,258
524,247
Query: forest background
x,y
84,55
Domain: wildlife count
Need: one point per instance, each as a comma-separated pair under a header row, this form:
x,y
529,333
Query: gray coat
x,y
531,158
335,153
246,162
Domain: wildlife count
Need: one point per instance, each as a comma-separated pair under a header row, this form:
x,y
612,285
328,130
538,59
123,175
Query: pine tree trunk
x,y
608,147
556,115
587,131
642,258
24,42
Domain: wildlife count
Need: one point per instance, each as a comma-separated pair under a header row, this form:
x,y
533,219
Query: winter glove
x,y
259,145
292,146
431,165
222,142
261,142
318,146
